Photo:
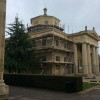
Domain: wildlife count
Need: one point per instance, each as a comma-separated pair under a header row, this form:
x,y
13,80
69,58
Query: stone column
x,y
84,59
75,59
97,61
3,87
89,60
94,60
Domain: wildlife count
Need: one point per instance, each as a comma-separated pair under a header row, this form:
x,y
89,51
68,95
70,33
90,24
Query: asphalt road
x,y
24,93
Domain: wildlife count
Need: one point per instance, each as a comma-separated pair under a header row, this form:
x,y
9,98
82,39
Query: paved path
x,y
22,93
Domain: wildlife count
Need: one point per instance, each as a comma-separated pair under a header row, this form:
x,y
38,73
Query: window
x,y
46,22
57,58
44,42
55,23
57,66
34,43
35,23
57,43
43,58
43,66
65,59
65,45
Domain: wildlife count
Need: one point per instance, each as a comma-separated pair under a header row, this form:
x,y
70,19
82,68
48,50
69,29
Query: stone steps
x,y
95,79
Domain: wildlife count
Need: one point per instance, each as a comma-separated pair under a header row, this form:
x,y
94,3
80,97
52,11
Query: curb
x,y
90,89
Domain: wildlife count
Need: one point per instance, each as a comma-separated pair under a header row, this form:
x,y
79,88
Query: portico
x,y
85,53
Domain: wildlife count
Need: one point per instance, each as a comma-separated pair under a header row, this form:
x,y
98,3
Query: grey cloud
x,y
75,13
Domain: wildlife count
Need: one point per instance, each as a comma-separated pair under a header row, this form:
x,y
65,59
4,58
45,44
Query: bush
x,y
63,83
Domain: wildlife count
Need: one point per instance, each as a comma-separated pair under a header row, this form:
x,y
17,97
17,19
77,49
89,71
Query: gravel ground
x,y
24,93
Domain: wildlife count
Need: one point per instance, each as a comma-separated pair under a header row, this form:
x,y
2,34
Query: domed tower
x,y
46,21
50,43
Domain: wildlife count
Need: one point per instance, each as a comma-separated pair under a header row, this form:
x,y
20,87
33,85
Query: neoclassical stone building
x,y
61,53
85,52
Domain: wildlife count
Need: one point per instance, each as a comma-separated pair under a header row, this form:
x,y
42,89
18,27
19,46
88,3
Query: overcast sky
x,y
73,13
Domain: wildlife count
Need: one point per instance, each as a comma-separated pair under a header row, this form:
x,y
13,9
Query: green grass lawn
x,y
88,85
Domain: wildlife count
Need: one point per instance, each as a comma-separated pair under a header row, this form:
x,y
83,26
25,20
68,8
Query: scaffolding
x,y
53,48
66,63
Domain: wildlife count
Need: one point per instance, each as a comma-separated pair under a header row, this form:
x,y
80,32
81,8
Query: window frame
x,y
57,66
57,42
57,58
44,42
43,58
46,22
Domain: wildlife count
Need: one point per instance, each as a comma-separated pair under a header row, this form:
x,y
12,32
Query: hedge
x,y
63,83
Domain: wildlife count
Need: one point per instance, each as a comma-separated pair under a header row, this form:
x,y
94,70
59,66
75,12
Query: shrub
x,y
63,83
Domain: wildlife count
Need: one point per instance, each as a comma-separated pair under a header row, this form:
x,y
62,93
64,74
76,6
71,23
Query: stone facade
x,y
3,87
62,53
86,55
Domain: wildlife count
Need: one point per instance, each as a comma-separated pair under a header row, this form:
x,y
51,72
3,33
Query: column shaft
x,y
97,61
75,59
2,35
84,58
89,60
94,60
3,87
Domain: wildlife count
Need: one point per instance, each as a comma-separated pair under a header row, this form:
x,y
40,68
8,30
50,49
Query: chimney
x,y
93,28
85,28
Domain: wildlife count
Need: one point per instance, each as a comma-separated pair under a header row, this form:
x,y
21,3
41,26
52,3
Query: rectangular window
x,y
43,58
44,42
57,66
65,45
57,58
46,22
34,43
65,59
57,42
35,23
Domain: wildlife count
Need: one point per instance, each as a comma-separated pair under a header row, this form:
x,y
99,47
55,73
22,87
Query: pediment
x,y
94,35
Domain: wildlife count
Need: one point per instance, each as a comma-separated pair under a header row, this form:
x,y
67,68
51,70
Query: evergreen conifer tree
x,y
19,55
